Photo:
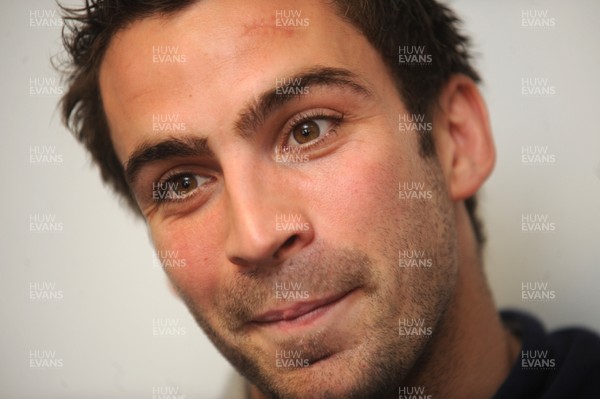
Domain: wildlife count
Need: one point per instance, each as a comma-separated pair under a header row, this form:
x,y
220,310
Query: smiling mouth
x,y
300,313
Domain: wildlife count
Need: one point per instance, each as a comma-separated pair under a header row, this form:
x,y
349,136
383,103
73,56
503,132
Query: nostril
x,y
289,242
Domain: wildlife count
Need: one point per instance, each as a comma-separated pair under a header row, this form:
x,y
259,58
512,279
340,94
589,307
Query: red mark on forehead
x,y
267,27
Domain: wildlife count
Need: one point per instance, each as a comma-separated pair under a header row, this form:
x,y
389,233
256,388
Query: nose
x,y
267,221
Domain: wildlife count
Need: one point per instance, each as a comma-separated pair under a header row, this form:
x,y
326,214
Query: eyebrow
x,y
148,153
248,120
257,111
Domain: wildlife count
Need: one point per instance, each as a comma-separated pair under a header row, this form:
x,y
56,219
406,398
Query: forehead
x,y
205,62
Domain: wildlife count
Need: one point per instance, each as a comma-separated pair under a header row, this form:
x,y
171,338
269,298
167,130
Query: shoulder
x,y
560,364
578,361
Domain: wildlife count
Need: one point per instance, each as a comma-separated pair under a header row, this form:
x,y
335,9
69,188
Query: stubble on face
x,y
363,357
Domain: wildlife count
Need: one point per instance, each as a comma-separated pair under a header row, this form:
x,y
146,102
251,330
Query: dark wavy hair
x,y
387,24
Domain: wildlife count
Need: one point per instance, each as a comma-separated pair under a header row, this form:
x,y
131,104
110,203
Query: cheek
x,y
360,195
191,241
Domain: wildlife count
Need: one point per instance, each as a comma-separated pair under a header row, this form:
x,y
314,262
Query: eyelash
x,y
299,119
165,180
313,115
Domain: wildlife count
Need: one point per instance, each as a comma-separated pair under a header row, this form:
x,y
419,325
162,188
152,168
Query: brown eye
x,y
184,184
178,187
306,131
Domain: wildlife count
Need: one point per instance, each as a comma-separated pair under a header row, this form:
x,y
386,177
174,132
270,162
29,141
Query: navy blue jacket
x,y
561,365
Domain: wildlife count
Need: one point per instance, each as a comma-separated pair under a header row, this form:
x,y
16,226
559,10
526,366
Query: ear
x,y
463,137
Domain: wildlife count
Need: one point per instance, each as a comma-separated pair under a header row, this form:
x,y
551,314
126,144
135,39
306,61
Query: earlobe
x,y
463,137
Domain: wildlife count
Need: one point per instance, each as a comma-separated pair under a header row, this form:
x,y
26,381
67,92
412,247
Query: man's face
x,y
281,195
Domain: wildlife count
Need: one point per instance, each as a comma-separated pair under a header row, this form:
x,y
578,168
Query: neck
x,y
471,353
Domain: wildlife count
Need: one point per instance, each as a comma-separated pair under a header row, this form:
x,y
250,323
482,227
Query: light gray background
x,y
104,264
